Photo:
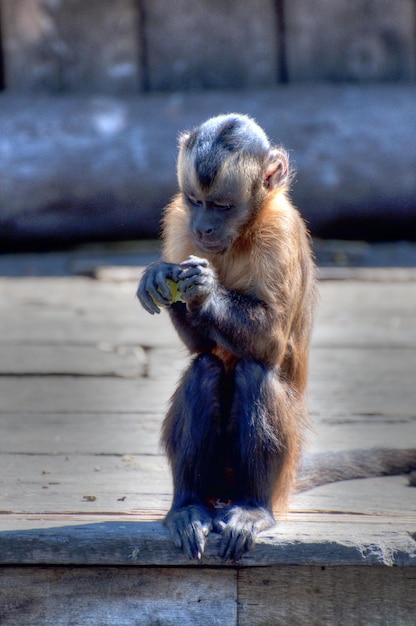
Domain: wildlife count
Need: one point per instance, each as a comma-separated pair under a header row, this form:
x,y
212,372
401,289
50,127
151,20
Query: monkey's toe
x,y
189,528
239,527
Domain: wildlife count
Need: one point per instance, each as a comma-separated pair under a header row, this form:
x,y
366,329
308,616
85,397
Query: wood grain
x,y
324,596
85,379
117,596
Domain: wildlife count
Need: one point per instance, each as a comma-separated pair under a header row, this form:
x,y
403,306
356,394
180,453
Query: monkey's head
x,y
226,169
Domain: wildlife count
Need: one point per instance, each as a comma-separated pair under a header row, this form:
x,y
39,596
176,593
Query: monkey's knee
x,y
204,373
207,365
253,383
195,405
204,376
249,369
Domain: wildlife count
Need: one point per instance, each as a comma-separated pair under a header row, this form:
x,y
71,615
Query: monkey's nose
x,y
206,232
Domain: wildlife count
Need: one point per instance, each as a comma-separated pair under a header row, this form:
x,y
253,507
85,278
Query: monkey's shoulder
x,y
280,220
177,240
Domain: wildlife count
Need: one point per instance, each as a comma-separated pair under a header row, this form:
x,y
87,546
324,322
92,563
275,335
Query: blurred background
x,y
95,92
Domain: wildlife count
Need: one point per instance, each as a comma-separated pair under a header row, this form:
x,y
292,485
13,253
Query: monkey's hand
x,y
197,281
155,288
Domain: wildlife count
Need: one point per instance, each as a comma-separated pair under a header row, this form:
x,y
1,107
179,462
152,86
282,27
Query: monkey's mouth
x,y
211,245
217,245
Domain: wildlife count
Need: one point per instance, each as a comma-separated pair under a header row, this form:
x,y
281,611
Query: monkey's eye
x,y
193,200
223,205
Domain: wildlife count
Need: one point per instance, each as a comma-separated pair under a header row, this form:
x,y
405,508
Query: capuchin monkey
x,y
238,281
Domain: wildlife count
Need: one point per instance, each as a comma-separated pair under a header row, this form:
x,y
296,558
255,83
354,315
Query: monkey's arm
x,y
153,292
153,289
241,324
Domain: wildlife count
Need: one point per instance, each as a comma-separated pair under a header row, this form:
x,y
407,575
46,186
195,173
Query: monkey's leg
x,y
259,456
191,436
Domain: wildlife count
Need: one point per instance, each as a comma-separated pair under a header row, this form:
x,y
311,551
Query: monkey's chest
x,y
228,358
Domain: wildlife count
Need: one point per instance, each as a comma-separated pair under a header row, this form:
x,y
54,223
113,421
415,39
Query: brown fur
x,y
272,261
240,254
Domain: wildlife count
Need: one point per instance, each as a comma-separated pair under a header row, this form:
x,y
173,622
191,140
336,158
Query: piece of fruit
x,y
175,295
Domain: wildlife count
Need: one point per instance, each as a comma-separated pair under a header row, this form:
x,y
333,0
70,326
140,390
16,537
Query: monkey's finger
x,y
200,539
226,547
197,275
181,534
194,261
189,275
220,525
193,541
157,297
151,307
147,302
188,547
162,288
242,544
236,544
186,285
189,269
202,526
174,273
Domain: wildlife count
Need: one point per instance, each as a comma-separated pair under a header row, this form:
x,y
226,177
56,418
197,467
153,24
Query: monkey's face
x,y
214,224
226,167
217,215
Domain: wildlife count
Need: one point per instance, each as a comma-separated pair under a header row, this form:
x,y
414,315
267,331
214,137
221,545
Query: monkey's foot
x,y
239,527
189,527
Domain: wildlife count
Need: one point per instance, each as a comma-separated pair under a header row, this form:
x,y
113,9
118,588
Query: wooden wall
x,y
133,46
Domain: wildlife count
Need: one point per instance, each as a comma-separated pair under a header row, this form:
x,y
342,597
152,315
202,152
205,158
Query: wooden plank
x,y
83,483
287,525
65,433
85,46
138,433
104,359
385,496
98,483
369,297
80,311
361,40
67,437
40,311
305,537
368,382
359,381
117,596
359,432
49,485
66,394
366,314
326,596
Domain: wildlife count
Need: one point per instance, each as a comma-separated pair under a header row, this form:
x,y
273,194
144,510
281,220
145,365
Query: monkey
x,y
239,254
237,278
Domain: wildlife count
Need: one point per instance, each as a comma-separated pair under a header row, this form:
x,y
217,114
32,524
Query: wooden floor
x,y
85,376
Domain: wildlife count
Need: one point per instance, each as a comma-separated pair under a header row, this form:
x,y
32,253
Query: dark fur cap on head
x,y
225,140
214,141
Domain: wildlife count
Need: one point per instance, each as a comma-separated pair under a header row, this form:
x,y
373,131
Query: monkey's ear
x,y
277,169
183,139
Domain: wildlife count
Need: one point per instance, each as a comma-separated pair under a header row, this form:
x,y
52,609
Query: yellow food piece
x,y
174,290
174,293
